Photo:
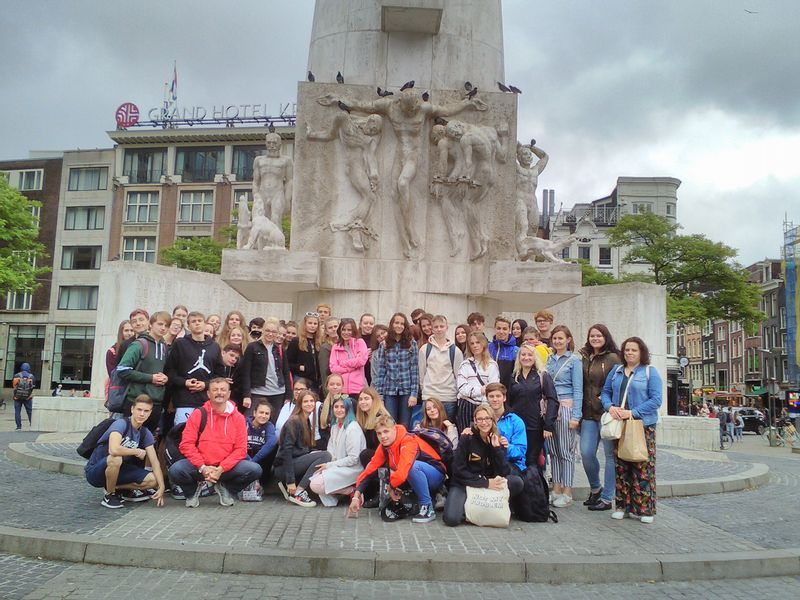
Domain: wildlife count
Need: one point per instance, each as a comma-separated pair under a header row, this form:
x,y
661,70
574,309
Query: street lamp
x,y
772,391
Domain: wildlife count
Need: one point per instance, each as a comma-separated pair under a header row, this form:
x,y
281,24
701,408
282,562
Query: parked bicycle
x,y
725,441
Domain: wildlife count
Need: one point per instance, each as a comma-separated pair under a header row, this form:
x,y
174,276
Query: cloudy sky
x,y
701,90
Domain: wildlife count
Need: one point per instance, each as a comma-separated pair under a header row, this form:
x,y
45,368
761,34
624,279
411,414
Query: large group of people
x,y
399,415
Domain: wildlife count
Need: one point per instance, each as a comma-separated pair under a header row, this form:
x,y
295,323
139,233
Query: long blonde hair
x,y
302,334
484,357
367,419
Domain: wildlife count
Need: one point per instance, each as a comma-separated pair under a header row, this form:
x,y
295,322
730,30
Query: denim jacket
x,y
644,392
569,382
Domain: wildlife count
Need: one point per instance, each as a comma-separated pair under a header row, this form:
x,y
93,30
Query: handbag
x,y
632,445
611,428
487,508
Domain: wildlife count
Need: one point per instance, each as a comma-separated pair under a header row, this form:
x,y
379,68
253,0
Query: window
x,y
605,256
783,341
238,193
25,344
196,207
88,179
77,297
585,252
672,340
565,253
640,208
85,217
773,301
199,164
142,207
19,301
142,249
80,258
30,180
782,313
670,210
707,327
243,157
785,371
721,332
72,355
145,165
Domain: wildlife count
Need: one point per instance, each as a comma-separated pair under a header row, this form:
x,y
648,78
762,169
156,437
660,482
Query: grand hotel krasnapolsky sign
x,y
127,114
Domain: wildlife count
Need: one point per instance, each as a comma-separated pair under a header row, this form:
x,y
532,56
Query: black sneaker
x,y
600,505
383,487
177,493
593,497
135,496
371,503
112,501
426,514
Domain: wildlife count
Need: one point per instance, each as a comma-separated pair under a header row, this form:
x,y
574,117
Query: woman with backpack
x,y
411,462
636,384
476,372
479,461
434,417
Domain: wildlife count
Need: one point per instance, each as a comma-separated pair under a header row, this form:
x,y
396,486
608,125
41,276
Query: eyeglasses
x,y
483,419
312,314
270,332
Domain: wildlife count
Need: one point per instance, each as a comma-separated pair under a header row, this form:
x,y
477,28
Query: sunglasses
x,y
255,334
312,314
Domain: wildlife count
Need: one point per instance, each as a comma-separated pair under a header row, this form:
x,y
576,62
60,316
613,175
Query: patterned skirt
x,y
636,482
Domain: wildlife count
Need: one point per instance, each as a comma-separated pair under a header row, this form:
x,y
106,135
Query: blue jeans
x,y
451,410
424,479
186,475
590,440
397,405
18,404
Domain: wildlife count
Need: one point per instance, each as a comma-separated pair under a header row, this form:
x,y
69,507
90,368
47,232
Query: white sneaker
x,y
647,519
619,515
553,498
562,501
284,491
225,498
194,500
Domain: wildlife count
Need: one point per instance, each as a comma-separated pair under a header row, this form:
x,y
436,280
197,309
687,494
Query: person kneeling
x,y
113,464
411,461
217,452
480,461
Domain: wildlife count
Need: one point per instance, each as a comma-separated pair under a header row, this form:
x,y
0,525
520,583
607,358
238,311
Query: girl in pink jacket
x,y
348,357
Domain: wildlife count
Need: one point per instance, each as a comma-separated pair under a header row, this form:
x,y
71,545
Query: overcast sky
x,y
701,90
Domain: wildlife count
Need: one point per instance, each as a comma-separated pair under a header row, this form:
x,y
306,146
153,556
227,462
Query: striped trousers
x,y
561,449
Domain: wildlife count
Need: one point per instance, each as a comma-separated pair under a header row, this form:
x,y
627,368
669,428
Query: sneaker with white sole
x,y
302,499
562,501
619,515
225,498
284,491
135,496
112,500
177,492
647,518
193,501
553,498
426,514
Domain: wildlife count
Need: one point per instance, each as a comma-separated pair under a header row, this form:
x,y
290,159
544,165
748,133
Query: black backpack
x,y
172,441
90,442
533,504
24,388
437,440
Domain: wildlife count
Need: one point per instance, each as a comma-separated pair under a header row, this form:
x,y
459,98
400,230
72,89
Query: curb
x,y
756,476
393,566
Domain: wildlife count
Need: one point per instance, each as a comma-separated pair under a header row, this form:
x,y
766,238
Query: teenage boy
x,y
324,311
231,355
115,462
503,349
142,367
544,323
439,362
192,363
512,428
476,322
140,321
218,453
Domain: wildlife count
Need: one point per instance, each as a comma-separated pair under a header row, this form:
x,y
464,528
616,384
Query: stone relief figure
x,y
528,181
407,114
548,249
272,180
481,146
359,138
263,232
244,224
444,188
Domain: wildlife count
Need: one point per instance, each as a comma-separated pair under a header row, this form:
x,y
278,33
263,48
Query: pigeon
x,y
751,12
339,78
439,121
515,89
472,93
502,87
343,106
271,127
310,76
467,86
384,93
407,85
425,96
533,142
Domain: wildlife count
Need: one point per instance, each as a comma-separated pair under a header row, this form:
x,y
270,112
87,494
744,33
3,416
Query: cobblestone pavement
x,y
44,580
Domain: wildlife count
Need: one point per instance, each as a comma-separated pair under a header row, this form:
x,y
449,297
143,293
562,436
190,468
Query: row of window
x,y
585,253
193,164
70,297
72,353
26,180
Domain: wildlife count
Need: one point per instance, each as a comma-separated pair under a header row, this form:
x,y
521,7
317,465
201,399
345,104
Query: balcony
x,y
602,216
152,176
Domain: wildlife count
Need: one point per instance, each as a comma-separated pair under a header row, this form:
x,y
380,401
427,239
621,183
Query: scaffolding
x,y
791,261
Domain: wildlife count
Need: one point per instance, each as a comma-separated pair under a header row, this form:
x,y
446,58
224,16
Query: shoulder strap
x,y
475,368
203,419
428,350
647,373
566,362
453,356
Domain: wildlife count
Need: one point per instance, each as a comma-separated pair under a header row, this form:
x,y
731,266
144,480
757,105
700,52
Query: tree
x,y
702,278
19,250
591,276
199,253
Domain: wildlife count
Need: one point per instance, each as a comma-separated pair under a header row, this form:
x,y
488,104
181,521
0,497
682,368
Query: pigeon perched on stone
x,y
515,89
343,106
439,121
407,85
425,96
502,87
467,86
339,78
310,76
472,93
271,127
533,142
384,93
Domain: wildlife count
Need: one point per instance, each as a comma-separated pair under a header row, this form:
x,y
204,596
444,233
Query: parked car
x,y
753,420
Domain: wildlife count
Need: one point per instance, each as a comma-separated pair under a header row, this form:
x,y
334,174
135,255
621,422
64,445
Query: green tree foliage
x,y
591,276
19,249
702,278
198,253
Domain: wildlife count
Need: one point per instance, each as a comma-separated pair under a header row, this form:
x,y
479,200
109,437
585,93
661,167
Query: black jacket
x,y
253,369
291,446
476,462
309,360
189,359
523,400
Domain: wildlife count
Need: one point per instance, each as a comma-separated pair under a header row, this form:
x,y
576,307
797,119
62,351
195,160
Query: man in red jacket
x,y
214,444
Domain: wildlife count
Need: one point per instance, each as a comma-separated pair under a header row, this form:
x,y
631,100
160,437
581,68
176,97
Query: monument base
x,y
66,413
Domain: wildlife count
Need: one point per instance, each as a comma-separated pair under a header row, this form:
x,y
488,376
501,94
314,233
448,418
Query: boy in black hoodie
x,y
192,363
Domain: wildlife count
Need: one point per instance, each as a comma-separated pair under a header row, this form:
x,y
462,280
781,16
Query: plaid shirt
x,y
397,370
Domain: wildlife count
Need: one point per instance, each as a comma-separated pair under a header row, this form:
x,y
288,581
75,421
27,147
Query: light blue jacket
x,y
512,428
644,392
569,382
